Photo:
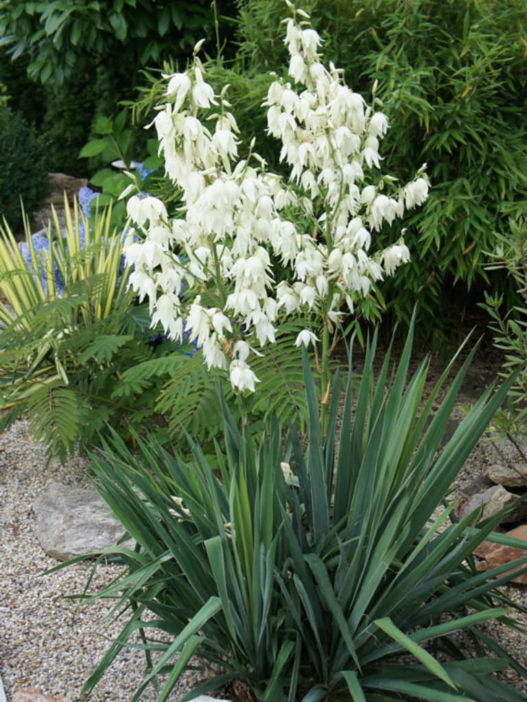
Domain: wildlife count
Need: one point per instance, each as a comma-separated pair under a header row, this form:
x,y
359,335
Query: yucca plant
x,y
315,570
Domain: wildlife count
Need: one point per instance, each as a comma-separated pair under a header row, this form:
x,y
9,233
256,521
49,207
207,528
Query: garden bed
x,y
48,642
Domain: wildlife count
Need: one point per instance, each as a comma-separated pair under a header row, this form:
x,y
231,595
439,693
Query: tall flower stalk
x,y
250,248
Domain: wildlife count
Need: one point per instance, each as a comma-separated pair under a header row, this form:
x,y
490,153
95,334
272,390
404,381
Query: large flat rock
x,y
72,521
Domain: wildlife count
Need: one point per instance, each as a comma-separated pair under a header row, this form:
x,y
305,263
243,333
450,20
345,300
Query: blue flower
x,y
144,172
82,235
85,196
41,249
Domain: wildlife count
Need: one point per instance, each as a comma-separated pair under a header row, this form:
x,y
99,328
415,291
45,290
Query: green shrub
x,y
23,172
23,95
72,111
452,76
70,327
64,113
510,326
62,39
316,574
67,116
83,58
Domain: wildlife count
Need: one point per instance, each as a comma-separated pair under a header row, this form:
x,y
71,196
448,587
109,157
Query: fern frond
x,y
104,347
135,379
281,390
55,414
190,399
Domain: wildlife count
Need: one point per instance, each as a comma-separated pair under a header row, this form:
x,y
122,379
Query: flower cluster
x,y
210,273
38,265
85,196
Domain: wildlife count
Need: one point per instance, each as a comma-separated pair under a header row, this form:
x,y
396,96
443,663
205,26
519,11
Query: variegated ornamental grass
x,y
32,274
69,329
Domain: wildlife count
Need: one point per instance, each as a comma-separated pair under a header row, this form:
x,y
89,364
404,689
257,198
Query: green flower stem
x,y
325,376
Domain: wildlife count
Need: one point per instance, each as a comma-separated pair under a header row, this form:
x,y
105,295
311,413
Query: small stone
x,y
61,183
74,522
512,475
206,698
3,698
494,555
30,694
493,500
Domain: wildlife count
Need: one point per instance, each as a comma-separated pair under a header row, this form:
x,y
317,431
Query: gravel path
x,y
49,642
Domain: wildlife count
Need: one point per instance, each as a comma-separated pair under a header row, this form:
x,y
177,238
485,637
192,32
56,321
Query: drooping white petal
x,y
306,338
241,376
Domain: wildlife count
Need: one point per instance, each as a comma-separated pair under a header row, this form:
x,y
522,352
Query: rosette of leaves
x,y
325,570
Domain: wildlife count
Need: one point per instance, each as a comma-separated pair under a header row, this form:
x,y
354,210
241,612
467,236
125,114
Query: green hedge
x,y
23,172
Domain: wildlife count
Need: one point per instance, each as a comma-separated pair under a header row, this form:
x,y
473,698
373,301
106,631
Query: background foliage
x,y
83,57
510,326
23,166
452,76
453,79
62,39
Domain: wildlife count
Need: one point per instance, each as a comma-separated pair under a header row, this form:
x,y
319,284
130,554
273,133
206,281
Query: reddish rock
x,y
30,694
494,555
